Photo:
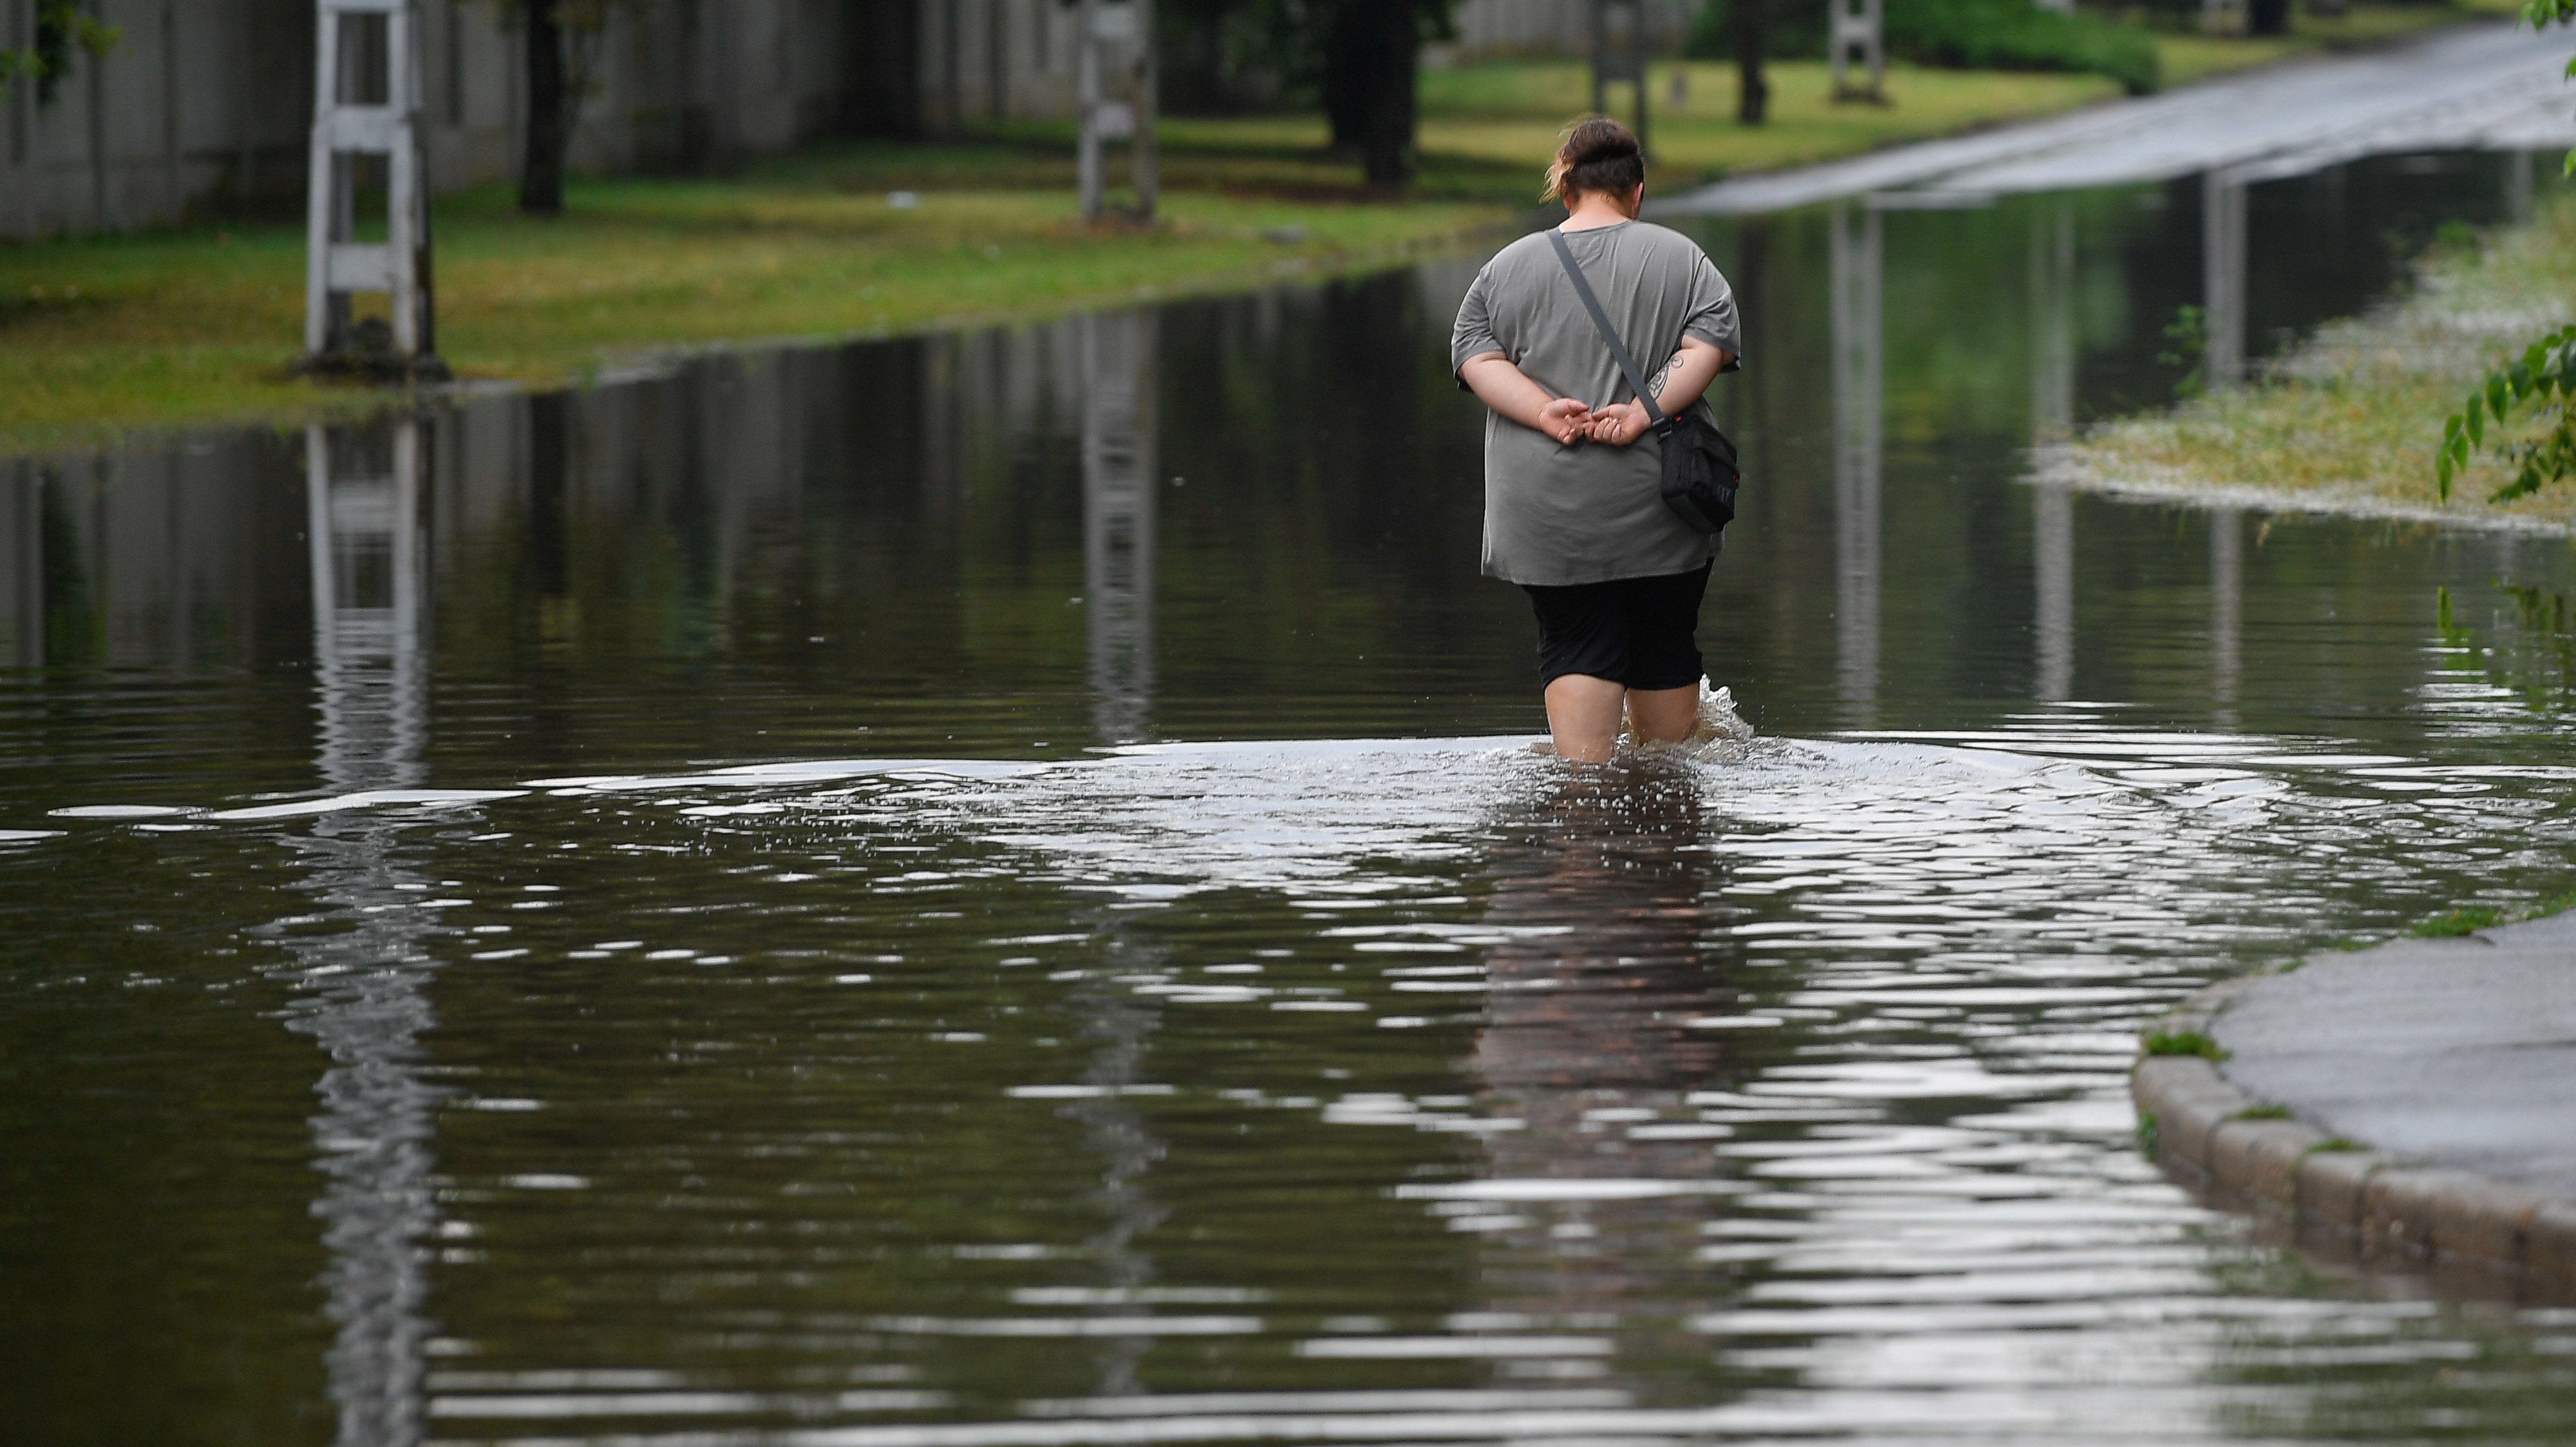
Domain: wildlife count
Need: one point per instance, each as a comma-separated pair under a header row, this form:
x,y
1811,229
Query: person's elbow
x,y
1696,350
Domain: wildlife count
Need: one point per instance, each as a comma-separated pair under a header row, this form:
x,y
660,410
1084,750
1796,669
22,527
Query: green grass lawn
x,y
199,323
185,326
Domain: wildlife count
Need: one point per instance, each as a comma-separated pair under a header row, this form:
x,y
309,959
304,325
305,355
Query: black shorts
x,y
1632,631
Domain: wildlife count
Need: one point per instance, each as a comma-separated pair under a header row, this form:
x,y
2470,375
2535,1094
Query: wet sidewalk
x,y
2430,1091
2480,87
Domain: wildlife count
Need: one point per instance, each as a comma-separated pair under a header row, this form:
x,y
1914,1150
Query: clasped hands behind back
x,y
1569,422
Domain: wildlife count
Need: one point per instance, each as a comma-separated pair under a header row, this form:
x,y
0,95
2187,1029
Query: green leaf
x,y
2477,428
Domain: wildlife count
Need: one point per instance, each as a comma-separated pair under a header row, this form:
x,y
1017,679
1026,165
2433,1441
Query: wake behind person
x,y
1574,511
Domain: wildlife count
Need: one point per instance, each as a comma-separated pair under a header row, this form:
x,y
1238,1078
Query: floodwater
x,y
991,891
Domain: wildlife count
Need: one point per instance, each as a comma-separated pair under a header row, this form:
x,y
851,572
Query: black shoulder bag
x,y
1700,475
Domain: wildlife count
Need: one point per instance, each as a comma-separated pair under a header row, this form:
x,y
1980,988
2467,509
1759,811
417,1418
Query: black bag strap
x,y
1663,425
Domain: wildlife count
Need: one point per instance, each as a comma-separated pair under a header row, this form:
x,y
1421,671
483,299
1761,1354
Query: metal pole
x,y
1142,160
2222,234
1086,99
319,203
1600,57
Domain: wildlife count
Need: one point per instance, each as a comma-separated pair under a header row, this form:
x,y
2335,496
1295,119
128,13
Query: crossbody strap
x,y
1663,425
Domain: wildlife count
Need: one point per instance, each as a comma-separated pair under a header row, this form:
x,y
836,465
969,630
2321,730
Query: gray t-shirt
x,y
1590,512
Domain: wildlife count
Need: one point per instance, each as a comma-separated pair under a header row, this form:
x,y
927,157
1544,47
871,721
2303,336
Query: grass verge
x,y
2348,422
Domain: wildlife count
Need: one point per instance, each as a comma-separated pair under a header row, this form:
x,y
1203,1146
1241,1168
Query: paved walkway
x,y
2492,87
2430,1097
2457,1052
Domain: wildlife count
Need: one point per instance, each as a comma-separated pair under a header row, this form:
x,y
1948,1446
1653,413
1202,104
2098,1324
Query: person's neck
x,y
1591,211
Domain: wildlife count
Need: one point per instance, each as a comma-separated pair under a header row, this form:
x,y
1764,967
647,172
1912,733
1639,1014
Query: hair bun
x,y
1595,154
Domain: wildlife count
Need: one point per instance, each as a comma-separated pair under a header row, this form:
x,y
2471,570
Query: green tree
x,y
562,46
61,28
1359,58
2541,382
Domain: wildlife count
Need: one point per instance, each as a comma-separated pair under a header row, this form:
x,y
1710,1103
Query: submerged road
x,y
2486,87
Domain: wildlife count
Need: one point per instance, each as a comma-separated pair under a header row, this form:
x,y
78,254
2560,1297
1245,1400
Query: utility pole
x,y
1609,64
1114,43
366,102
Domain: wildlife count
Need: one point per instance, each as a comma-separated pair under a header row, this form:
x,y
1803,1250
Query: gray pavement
x,y
2457,1053
2481,87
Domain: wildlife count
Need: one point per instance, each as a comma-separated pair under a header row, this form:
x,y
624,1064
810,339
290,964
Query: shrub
x,y
1955,34
2017,35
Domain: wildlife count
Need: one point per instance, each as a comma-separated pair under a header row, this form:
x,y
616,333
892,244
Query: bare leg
x,y
1583,715
1667,715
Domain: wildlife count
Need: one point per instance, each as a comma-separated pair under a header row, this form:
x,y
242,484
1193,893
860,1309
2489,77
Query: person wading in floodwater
x,y
1573,506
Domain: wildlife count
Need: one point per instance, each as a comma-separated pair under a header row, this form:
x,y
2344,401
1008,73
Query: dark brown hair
x,y
1598,154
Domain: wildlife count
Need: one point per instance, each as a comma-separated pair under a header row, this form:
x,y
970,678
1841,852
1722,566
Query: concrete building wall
x,y
1490,29
211,101
984,61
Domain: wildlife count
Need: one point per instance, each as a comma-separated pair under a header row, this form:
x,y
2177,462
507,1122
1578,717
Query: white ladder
x,y
1857,31
1114,37
337,264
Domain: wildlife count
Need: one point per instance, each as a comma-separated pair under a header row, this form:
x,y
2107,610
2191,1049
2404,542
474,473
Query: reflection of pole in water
x,y
2052,323
2052,532
1118,519
2226,607
1858,266
2222,271
1122,1024
360,993
370,599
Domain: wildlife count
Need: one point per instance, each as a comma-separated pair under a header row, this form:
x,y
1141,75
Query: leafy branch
x,y
2189,333
61,28
2548,366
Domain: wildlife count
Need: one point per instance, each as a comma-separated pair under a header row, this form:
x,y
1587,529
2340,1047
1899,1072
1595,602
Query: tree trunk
x,y
1345,82
541,170
1393,51
1753,94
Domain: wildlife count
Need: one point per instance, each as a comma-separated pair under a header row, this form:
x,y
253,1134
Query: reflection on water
x,y
1859,265
769,989
1118,485
361,992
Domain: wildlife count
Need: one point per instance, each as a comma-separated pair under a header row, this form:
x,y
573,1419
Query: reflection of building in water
x,y
22,570
2226,609
151,559
1858,257
361,991
2222,271
1589,1043
1118,376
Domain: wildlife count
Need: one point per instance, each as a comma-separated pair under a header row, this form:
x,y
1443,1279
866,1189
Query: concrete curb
x,y
2481,1236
